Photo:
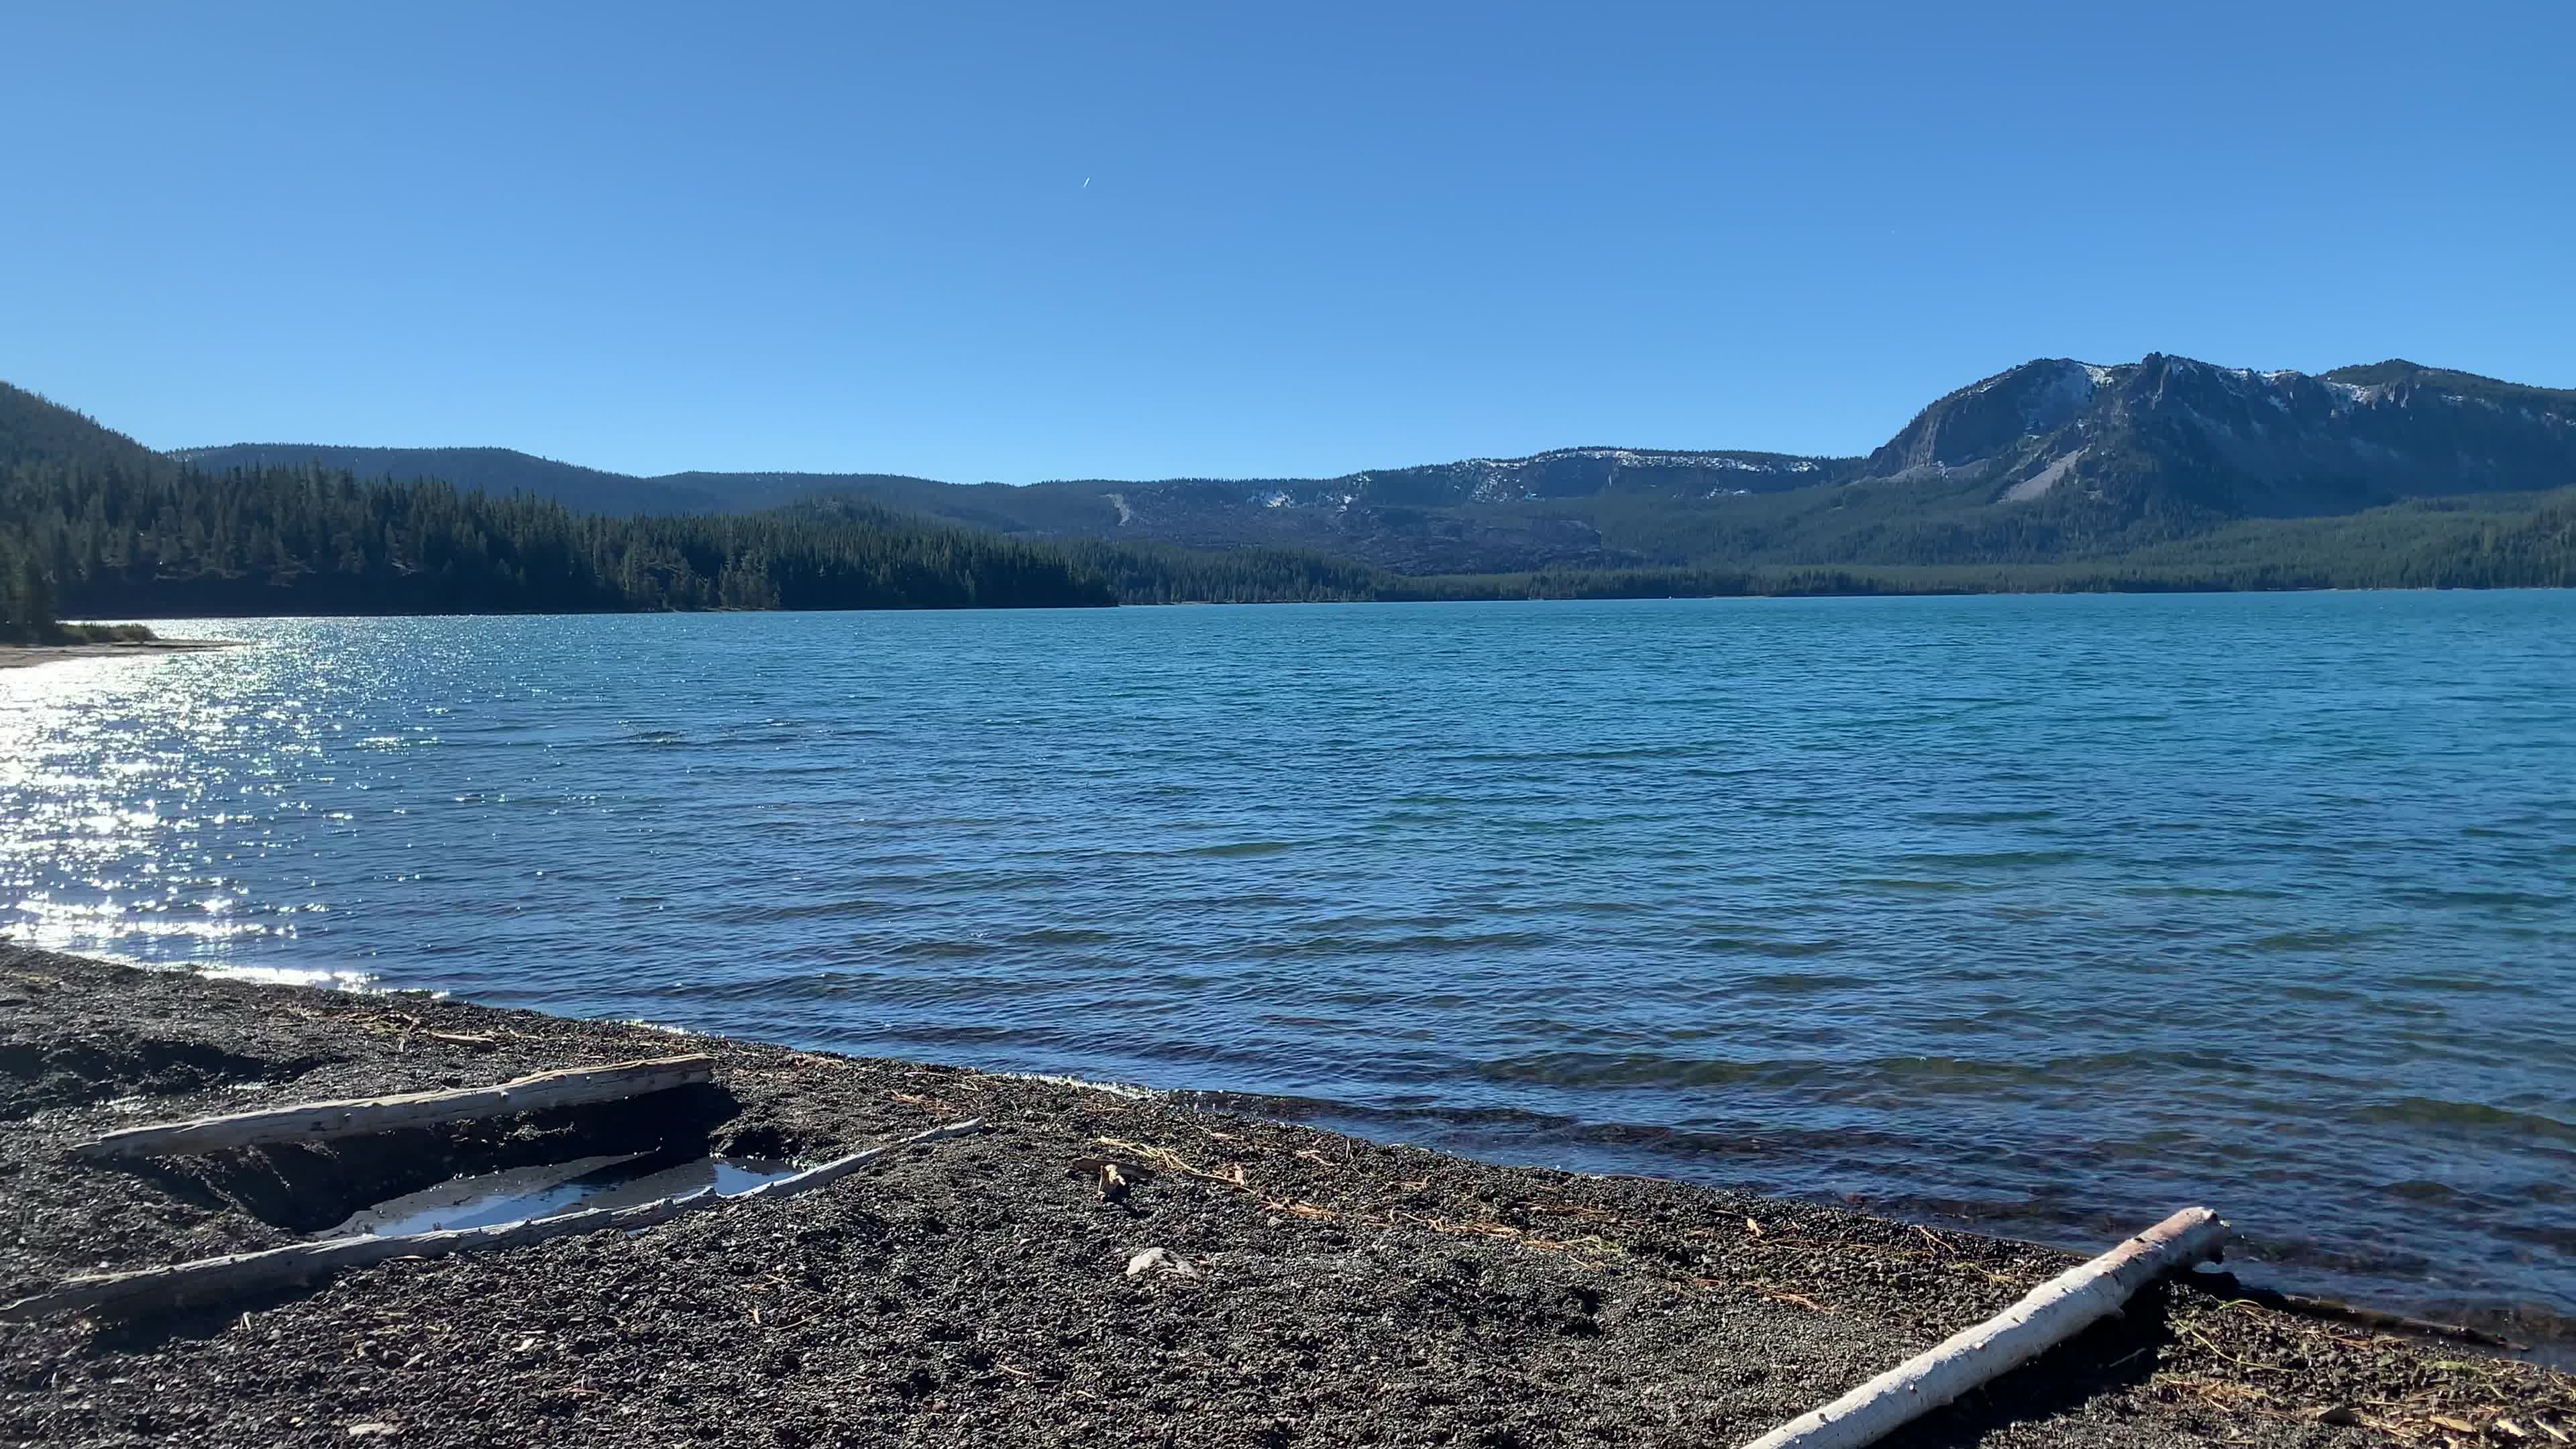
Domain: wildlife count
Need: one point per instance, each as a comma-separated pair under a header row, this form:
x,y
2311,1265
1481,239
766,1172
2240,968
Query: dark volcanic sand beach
x,y
974,1292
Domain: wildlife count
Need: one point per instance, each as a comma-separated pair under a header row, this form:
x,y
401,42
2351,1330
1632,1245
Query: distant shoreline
x,y
22,656
37,654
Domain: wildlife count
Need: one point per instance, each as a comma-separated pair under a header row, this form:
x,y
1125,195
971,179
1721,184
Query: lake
x,y
2049,915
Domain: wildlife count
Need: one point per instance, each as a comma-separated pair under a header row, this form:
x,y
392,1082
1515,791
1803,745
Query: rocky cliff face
x,y
2238,442
1990,419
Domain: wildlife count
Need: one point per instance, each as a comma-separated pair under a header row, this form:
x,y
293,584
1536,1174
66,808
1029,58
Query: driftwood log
x,y
209,1280
351,1117
2053,1312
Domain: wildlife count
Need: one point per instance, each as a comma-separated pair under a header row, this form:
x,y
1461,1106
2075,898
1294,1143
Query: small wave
x,y
1983,817
2557,1237
1475,1128
1365,922
333,978
2323,940
1963,1074
1626,1069
1128,1090
1242,849
2427,896
937,950
1062,936
1786,950
1978,860
1800,981
1428,942
1556,757
2448,1115
664,1027
761,915
1590,908
2300,1252
2461,983
2417,1189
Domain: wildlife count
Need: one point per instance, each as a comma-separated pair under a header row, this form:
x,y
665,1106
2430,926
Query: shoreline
x,y
2142,589
976,1292
25,656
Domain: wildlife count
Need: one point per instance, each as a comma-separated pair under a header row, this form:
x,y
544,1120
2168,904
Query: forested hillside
x,y
36,429
496,471
504,471
301,541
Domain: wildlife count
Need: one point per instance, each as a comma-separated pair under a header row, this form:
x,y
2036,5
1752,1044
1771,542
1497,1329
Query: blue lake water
x,y
2053,913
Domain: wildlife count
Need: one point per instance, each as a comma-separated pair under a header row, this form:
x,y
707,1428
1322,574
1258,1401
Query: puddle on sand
x,y
555,1188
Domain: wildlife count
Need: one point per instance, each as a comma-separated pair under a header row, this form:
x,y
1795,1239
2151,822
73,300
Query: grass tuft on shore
x,y
101,634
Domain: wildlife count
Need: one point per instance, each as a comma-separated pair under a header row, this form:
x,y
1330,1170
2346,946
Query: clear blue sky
x,y
1051,240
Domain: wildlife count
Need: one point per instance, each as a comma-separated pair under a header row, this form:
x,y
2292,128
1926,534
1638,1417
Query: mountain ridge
x,y
2051,458
2055,476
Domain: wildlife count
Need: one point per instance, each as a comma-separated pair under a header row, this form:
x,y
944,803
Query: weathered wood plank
x,y
2052,1313
355,1116
210,1280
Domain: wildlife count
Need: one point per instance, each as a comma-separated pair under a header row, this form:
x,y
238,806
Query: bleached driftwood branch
x,y
181,1285
350,1117
2053,1312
